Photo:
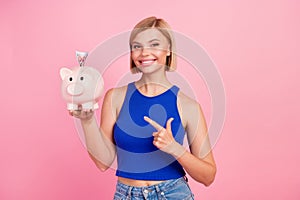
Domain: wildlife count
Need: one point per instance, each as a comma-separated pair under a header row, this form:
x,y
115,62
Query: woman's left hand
x,y
163,137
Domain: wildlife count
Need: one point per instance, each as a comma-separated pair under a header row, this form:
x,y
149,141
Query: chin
x,y
150,68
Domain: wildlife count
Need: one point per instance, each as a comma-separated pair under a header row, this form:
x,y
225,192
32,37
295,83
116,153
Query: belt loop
x,y
160,192
186,179
129,193
157,189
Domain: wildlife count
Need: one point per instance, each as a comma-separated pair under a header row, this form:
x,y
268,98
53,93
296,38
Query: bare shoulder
x,y
187,103
190,109
117,91
116,96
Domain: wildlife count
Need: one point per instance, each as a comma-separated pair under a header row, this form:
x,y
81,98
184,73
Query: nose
x,y
145,51
75,89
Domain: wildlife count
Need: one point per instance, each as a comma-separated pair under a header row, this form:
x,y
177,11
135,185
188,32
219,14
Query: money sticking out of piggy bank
x,y
81,85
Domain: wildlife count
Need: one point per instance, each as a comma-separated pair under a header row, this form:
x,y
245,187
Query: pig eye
x,y
71,79
81,78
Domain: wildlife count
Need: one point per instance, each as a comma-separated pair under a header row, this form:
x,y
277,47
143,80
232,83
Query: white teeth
x,y
147,62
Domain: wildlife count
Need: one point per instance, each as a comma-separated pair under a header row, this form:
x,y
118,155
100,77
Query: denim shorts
x,y
174,189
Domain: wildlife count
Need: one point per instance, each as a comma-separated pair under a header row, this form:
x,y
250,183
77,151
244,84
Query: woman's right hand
x,y
83,115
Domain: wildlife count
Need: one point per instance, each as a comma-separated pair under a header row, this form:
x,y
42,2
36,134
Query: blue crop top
x,y
137,157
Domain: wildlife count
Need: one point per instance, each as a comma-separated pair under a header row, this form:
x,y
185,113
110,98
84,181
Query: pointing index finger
x,y
153,123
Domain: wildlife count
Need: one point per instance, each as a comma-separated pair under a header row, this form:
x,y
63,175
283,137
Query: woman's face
x,y
149,50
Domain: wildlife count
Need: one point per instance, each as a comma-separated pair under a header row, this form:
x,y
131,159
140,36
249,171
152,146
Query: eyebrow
x,y
154,40
148,41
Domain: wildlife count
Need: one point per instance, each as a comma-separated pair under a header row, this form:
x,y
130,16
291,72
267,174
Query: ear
x,y
64,72
169,50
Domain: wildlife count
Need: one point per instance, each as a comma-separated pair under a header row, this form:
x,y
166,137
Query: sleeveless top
x,y
137,157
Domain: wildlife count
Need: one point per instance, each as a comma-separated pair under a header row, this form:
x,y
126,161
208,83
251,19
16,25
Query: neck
x,y
151,84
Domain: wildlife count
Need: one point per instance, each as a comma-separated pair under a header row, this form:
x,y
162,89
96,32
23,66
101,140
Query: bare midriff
x,y
138,183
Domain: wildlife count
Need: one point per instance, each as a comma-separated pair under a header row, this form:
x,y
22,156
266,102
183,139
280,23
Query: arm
x,y
199,162
99,141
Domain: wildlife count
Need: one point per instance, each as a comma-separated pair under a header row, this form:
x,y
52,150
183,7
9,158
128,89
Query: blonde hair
x,y
162,26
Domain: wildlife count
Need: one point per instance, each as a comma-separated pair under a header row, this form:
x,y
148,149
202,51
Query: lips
x,y
146,62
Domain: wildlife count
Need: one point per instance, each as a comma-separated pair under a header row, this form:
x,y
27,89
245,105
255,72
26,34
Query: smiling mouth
x,y
147,62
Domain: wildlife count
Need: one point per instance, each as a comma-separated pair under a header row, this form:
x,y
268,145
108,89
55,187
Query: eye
x,y
154,45
81,78
70,79
136,46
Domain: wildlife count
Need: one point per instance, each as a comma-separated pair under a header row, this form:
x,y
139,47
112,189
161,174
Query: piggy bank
x,y
81,85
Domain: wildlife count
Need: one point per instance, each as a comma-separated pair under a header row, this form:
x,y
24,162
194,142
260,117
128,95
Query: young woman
x,y
144,123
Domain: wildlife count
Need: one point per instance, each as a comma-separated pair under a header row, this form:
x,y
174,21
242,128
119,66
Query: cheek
x,y
162,55
134,55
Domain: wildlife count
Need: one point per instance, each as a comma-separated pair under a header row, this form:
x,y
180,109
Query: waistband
x,y
140,191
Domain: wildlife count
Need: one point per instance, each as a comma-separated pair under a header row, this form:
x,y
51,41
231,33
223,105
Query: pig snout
x,y
75,89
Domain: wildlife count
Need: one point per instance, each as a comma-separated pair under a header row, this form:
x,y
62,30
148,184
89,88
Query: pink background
x,y
255,45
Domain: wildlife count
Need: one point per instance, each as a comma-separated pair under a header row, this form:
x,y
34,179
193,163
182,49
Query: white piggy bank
x,y
81,86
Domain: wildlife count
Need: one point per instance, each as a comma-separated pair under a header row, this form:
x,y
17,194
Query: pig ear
x,y
64,72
